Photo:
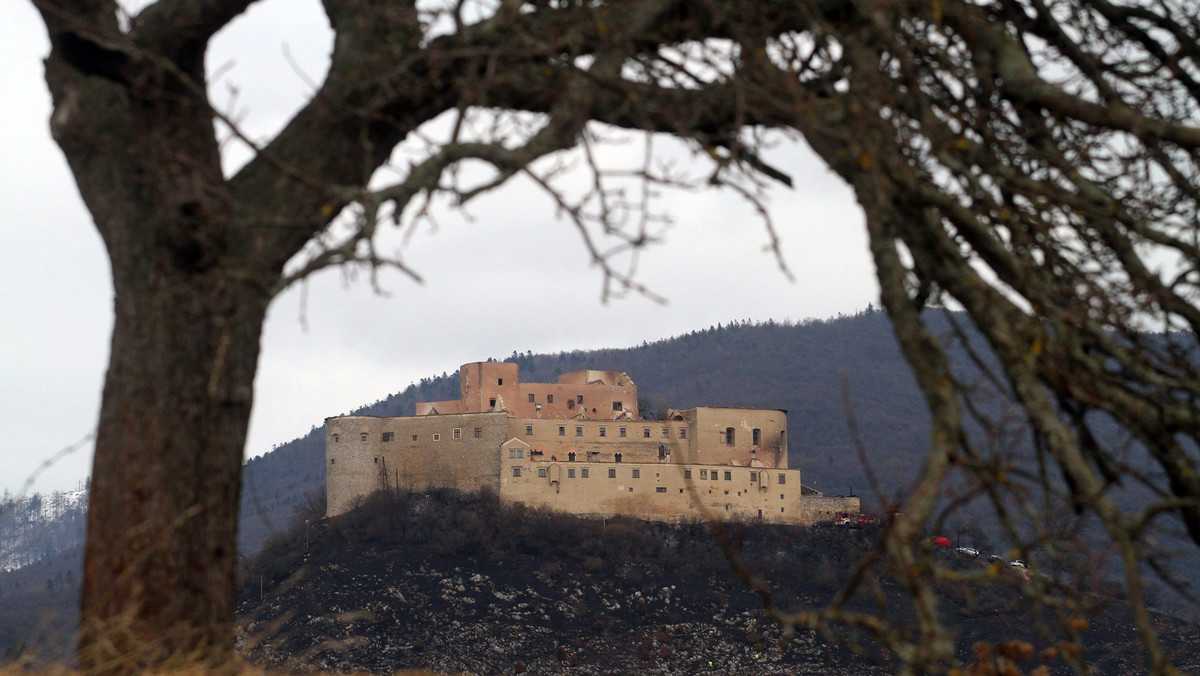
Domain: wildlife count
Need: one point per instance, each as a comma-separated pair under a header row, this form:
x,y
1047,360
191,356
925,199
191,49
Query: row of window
x,y
622,431
755,436
391,436
616,405
635,473
603,431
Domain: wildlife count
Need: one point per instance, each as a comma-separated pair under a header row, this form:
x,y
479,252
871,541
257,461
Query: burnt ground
x,y
462,584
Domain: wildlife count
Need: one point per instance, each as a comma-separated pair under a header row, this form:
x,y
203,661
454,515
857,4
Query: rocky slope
x,y
461,584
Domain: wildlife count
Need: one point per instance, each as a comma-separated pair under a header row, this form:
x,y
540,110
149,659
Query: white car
x,y
968,551
1017,563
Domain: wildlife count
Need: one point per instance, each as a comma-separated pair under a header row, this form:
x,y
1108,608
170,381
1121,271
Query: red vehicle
x,y
853,520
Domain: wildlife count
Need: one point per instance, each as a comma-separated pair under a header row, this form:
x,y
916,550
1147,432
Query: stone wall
x,y
364,454
669,492
814,509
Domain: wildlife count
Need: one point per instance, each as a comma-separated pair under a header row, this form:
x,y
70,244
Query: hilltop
x,y
461,583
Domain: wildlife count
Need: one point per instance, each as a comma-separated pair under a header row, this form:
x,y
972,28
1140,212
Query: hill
x,y
461,583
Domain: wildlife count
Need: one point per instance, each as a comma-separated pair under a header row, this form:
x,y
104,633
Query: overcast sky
x,y
512,277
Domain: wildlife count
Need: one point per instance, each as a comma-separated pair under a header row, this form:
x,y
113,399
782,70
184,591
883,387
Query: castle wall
x,y
738,436
667,492
814,509
450,451
600,441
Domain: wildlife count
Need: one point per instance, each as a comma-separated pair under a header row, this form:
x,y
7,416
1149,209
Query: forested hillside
x,y
40,526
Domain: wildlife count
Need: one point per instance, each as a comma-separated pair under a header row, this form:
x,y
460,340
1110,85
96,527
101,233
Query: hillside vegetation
x,y
462,583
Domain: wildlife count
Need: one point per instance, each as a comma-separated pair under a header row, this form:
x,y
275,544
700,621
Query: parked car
x,y
995,559
968,551
1017,563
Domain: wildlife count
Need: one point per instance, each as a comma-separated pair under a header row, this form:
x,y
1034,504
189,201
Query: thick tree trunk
x,y
159,579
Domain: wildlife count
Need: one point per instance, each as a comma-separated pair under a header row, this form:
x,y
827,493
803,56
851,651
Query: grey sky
x,y
512,277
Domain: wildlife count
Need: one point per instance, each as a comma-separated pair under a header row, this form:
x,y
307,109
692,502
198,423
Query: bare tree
x,y
1030,161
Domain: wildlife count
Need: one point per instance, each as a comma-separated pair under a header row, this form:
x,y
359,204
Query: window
x,y
660,489
336,438
782,479
757,436
499,381
612,474
616,406
579,398
437,437
562,430
531,398
570,404
637,474
549,398
571,456
621,431
687,474
703,474
331,461
362,436
583,473
541,472
729,437
414,437
376,460
666,433
617,456
603,431
683,433
713,475
492,402
646,432
458,433
753,477
388,436
571,473
516,453
528,430
478,432
579,430
728,475
516,471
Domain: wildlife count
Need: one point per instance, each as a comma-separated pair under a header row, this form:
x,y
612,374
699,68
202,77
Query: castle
x,y
580,446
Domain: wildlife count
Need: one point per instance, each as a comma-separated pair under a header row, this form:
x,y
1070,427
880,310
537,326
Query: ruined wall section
x,y
488,386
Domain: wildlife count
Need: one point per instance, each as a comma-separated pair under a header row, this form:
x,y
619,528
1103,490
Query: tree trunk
x,y
161,553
